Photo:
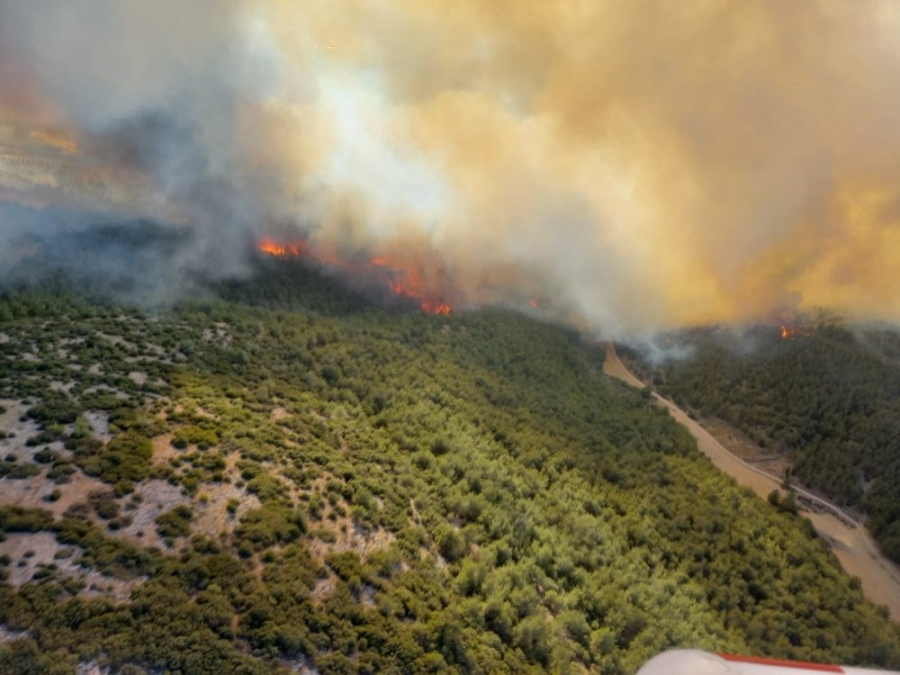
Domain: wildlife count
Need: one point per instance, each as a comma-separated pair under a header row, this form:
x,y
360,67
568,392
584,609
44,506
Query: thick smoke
x,y
630,165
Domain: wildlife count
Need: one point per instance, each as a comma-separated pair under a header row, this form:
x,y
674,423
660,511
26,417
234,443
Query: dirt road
x,y
849,539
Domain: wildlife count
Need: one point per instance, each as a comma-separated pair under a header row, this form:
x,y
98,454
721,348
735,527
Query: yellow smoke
x,y
640,164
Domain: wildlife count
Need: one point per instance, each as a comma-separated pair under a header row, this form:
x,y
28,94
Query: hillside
x,y
827,397
280,476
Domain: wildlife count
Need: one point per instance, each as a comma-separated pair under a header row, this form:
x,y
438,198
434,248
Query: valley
x,y
850,541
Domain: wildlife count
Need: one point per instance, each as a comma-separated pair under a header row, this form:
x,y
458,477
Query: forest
x,y
279,476
827,396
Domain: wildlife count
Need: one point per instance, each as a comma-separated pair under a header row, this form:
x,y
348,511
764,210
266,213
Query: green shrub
x,y
104,505
126,458
203,438
42,438
46,456
269,525
61,410
18,471
175,523
345,564
106,554
19,519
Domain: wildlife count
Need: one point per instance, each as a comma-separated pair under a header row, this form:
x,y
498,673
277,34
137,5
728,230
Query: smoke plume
x,y
631,166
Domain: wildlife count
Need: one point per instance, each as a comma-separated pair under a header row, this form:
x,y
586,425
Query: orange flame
x,y
271,247
404,283
787,331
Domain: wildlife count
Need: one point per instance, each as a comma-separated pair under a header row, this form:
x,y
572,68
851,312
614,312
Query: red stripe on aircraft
x,y
801,665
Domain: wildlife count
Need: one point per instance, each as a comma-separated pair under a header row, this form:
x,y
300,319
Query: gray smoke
x,y
632,166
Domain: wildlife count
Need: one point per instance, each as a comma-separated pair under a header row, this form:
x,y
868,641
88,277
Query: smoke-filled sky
x,y
635,165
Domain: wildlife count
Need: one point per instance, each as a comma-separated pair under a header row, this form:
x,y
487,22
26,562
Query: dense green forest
x,y
827,396
282,476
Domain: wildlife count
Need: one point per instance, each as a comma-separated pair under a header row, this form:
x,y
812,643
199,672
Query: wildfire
x,y
439,308
787,331
271,247
404,283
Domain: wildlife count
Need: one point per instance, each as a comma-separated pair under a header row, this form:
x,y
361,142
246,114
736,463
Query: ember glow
x,y
402,282
788,331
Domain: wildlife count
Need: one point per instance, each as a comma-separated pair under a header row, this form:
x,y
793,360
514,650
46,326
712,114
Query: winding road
x,y
848,538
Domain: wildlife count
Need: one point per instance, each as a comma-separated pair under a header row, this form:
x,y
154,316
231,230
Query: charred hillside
x,y
281,475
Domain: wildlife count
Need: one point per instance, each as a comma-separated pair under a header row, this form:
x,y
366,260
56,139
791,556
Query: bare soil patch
x,y
41,545
744,447
56,385
11,423
212,517
138,377
117,340
118,393
30,551
324,586
349,537
99,422
163,450
7,635
30,492
157,496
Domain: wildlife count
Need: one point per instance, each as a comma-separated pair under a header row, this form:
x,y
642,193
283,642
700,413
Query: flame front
x,y
271,247
788,331
403,282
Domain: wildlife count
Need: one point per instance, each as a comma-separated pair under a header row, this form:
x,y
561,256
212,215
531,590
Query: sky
x,y
633,166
